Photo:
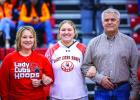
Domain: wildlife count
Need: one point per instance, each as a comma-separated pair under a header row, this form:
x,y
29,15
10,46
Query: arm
x,y
4,78
46,80
48,72
91,72
88,62
45,13
23,15
8,10
48,54
133,69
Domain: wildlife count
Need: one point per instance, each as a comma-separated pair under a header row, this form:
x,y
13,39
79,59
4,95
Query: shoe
x,y
7,44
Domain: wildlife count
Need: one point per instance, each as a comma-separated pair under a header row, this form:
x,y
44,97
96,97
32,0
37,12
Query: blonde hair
x,y
19,35
69,22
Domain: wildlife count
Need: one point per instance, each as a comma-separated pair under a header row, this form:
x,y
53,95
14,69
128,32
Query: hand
x,y
91,72
36,82
106,83
46,80
133,98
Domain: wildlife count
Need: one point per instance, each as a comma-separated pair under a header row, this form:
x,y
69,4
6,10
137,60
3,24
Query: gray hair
x,y
111,10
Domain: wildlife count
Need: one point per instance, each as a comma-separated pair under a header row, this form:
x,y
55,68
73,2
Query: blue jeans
x,y
46,26
120,93
86,21
7,25
99,27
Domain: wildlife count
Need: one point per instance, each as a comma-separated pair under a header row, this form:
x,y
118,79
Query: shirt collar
x,y
112,38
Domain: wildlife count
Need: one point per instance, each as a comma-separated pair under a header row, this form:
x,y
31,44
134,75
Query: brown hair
x,y
71,23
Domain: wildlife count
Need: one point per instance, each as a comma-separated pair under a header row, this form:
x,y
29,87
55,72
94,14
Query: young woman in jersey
x,y
66,57
22,70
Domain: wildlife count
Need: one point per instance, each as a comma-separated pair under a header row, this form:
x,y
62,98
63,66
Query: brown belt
x,y
116,84
120,84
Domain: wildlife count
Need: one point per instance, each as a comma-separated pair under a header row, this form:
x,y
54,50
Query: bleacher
x,y
67,9
71,10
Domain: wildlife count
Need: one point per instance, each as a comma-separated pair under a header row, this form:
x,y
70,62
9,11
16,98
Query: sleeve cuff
x,y
98,77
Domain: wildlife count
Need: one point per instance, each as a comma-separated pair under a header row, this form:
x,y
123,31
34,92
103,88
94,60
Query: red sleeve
x,y
49,72
81,47
4,77
48,68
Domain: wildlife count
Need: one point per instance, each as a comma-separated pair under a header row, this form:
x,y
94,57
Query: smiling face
x,y
67,33
27,40
110,23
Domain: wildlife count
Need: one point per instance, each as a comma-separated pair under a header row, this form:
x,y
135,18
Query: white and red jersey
x,y
69,82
